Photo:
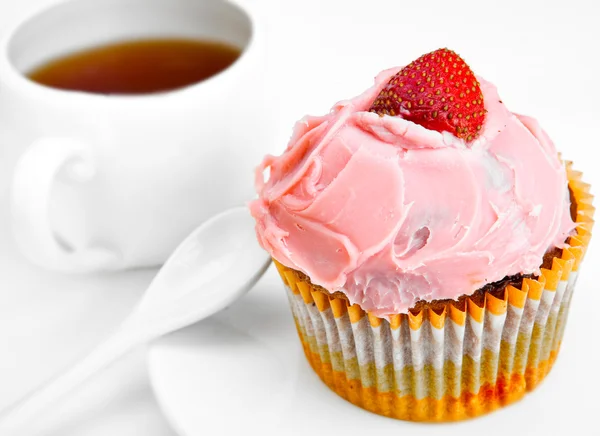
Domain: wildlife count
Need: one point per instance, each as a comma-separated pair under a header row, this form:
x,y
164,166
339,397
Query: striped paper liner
x,y
454,363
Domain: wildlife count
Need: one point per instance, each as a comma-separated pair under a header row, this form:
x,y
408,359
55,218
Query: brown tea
x,y
137,67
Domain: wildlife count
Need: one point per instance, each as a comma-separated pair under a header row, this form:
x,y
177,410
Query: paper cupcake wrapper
x,y
455,364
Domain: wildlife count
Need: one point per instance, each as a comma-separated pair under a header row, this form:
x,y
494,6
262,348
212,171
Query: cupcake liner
x,y
457,362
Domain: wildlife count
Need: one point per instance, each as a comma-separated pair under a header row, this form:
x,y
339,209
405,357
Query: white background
x,y
542,55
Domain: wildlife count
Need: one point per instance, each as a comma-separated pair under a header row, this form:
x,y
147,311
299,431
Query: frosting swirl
x,y
390,213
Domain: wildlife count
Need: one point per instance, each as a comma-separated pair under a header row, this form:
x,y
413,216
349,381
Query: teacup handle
x,y
32,183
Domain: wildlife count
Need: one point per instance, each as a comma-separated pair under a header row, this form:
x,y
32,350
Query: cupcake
x,y
429,240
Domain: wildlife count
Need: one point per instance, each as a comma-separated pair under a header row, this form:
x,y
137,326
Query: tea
x,y
137,67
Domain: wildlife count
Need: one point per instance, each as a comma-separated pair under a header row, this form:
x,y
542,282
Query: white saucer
x,y
244,370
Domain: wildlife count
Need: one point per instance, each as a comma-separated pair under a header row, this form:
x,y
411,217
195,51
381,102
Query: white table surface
x,y
527,48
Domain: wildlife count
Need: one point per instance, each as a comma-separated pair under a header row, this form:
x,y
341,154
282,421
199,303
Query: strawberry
x,y
438,91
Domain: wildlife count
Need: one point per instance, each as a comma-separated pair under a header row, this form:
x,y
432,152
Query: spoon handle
x,y
15,417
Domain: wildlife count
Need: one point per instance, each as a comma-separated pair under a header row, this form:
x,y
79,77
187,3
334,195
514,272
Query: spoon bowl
x,y
213,267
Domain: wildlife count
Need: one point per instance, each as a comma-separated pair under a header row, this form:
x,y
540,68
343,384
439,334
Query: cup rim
x,y
15,78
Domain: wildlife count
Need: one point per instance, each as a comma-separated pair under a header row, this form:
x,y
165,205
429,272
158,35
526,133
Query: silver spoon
x,y
214,266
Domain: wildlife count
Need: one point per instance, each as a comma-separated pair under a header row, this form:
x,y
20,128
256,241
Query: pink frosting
x,y
390,213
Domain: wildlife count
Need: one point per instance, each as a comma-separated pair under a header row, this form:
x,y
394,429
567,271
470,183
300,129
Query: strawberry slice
x,y
438,91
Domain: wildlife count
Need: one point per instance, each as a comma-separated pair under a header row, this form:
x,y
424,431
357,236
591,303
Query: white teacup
x,y
113,182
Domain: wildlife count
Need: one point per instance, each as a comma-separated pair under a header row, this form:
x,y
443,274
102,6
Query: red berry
x,y
438,91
